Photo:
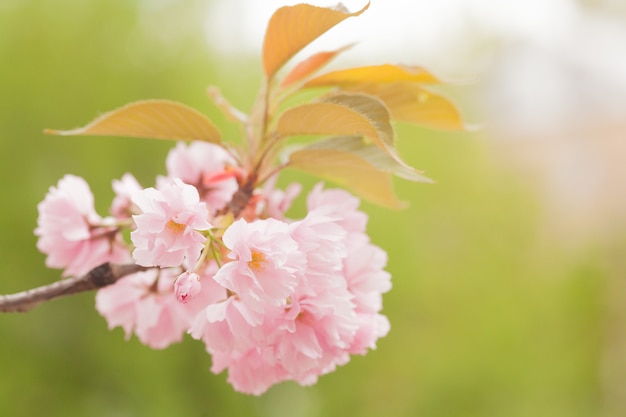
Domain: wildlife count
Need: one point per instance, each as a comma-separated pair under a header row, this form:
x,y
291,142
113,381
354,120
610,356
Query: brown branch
x,y
101,276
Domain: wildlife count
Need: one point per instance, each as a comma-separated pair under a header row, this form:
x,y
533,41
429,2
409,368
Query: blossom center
x,y
257,263
175,228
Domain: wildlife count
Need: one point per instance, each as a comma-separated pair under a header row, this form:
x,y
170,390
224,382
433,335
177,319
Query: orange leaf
x,y
157,119
378,158
349,170
386,73
408,102
310,65
343,114
291,28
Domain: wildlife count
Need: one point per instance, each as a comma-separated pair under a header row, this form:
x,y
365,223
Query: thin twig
x,y
101,276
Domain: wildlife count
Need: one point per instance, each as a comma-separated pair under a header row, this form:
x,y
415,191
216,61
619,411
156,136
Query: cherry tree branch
x,y
101,276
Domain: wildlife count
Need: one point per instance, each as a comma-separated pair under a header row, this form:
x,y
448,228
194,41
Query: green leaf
x,y
291,28
349,170
156,119
386,73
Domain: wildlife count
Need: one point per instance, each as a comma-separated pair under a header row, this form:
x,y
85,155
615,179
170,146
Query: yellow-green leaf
x,y
310,65
378,158
409,102
349,170
157,119
343,114
386,73
291,28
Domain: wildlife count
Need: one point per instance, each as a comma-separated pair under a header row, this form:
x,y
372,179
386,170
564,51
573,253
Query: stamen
x,y
257,263
174,227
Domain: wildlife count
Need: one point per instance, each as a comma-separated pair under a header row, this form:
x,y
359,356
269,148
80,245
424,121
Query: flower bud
x,y
187,286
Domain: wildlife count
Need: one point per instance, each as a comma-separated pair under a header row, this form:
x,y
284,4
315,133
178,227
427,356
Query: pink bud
x,y
187,286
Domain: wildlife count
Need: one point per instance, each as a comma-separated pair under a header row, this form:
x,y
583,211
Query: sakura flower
x,y
301,342
303,296
276,202
206,166
168,228
367,281
229,325
322,239
371,327
122,206
249,371
363,269
266,264
318,336
339,203
144,304
187,286
72,234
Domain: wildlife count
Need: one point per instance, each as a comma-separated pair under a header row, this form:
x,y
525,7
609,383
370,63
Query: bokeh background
x,y
508,273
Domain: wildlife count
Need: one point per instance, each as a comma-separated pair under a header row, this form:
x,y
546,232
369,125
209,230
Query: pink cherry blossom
x,y
365,274
309,338
122,206
168,227
275,202
371,327
187,286
367,281
266,265
249,371
317,338
144,304
72,234
262,334
206,166
322,239
229,325
340,204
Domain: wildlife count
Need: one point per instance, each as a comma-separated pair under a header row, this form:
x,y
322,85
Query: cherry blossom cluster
x,y
272,298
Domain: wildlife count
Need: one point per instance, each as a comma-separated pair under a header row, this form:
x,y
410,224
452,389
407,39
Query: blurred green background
x,y
489,316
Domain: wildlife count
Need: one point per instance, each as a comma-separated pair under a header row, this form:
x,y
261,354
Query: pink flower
x,y
206,166
371,328
317,339
72,234
322,239
249,371
122,206
339,204
228,325
266,265
367,281
364,271
187,286
307,339
168,227
275,202
144,303
302,296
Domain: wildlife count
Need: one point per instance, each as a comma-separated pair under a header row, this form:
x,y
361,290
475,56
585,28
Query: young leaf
x,y
386,73
349,170
291,28
310,65
343,114
231,112
409,102
157,119
378,158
